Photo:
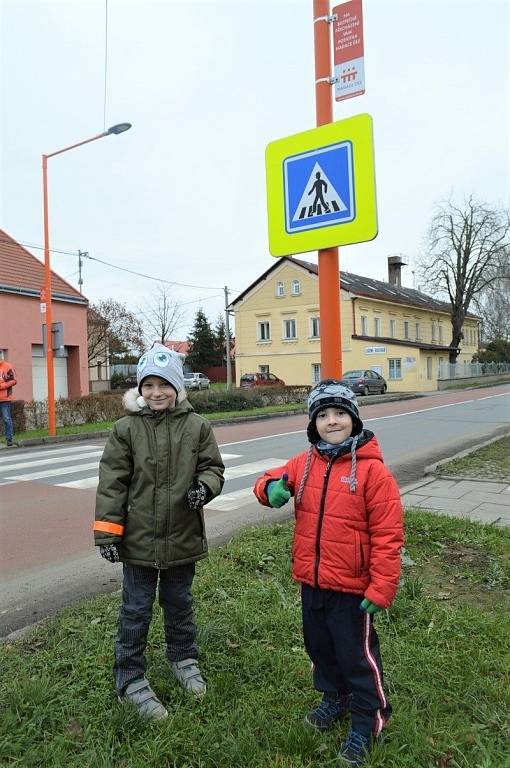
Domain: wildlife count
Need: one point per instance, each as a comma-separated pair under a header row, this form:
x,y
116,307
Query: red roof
x,y
21,271
178,346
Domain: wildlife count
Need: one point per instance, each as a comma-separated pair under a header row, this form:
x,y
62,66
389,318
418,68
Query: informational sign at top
x,y
348,50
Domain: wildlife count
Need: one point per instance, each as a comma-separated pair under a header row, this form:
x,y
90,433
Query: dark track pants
x,y
138,594
344,648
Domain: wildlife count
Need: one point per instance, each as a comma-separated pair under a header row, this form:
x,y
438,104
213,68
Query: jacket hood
x,y
134,403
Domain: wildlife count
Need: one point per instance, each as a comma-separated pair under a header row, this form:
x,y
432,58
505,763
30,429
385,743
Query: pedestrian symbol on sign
x,y
319,188
325,197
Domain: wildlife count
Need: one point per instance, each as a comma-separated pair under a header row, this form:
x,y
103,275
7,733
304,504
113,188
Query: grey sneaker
x,y
142,697
189,676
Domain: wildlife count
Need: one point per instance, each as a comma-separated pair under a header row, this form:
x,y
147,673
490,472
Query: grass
x,y
491,462
101,426
445,645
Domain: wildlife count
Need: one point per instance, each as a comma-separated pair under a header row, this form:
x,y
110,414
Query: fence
x,y
466,370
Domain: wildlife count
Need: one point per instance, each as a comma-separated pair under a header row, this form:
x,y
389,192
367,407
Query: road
x,y
47,560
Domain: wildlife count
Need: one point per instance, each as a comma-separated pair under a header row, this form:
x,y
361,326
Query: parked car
x,y
196,381
261,380
364,382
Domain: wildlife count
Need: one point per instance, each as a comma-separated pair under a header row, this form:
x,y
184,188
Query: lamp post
x,y
119,128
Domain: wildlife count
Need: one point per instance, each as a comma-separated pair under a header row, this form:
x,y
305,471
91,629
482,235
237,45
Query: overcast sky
x,y
206,85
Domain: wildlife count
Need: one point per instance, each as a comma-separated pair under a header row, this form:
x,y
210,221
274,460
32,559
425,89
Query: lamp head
x,y
119,128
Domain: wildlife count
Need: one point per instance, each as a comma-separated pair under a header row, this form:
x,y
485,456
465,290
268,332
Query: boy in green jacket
x,y
160,465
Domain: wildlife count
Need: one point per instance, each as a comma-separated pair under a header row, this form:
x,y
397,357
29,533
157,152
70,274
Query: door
x,y
39,378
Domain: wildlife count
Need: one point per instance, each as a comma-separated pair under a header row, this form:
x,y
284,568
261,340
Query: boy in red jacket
x,y
346,555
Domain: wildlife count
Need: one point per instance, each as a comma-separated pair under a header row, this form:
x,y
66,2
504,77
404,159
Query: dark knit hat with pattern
x,y
331,393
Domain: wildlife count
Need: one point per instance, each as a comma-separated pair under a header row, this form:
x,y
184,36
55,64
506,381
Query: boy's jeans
x,y
5,410
138,593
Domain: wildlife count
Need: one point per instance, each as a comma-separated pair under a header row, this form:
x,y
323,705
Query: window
x,y
315,328
316,373
406,329
263,369
264,331
364,325
377,326
440,329
417,327
395,368
393,324
280,290
289,329
296,288
433,332
429,367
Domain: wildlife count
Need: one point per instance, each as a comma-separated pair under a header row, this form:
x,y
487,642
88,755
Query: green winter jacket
x,y
148,464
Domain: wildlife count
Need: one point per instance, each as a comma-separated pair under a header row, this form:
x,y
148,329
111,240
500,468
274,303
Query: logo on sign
x,y
319,188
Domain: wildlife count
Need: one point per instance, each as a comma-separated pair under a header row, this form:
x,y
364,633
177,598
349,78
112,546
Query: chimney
x,y
395,264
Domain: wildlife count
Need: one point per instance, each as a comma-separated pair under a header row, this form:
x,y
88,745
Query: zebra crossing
x,y
78,467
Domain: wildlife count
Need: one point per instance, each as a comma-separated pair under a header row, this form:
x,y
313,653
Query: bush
x,y
239,399
75,410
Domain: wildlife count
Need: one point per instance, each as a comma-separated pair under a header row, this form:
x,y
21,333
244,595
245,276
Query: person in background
x,y
160,466
346,555
7,382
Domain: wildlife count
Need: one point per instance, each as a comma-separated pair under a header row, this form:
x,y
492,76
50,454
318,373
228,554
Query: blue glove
x,y
369,607
278,493
110,552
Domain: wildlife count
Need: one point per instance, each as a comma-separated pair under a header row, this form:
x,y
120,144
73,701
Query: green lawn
x,y
446,647
492,462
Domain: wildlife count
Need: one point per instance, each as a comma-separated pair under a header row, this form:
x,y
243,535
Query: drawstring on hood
x,y
333,451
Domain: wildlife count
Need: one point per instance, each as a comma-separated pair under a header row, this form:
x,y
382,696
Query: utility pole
x,y
329,273
227,340
80,265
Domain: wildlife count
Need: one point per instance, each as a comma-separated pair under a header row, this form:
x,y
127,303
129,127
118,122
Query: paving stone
x,y
411,499
440,483
486,513
498,499
454,507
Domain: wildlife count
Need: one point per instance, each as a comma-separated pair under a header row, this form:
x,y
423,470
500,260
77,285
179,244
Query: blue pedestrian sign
x,y
319,188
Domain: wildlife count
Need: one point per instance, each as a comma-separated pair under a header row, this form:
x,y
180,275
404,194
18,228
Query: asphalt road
x,y
47,561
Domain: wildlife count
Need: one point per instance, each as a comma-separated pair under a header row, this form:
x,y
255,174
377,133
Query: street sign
x,y
348,53
321,187
42,301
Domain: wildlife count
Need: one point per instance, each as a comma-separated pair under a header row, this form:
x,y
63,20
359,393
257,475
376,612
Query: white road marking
x,y
42,462
252,468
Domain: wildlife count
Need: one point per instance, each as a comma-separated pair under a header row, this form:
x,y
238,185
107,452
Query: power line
x,y
122,269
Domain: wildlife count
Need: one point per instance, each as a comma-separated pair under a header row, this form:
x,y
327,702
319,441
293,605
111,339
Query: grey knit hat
x,y
327,393
163,362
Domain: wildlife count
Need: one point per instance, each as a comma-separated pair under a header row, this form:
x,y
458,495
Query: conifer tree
x,y
202,343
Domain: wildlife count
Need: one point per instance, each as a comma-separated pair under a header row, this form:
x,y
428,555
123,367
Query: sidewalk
x,y
485,501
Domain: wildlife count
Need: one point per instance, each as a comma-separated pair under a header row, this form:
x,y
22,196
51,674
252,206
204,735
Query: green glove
x,y
369,606
279,494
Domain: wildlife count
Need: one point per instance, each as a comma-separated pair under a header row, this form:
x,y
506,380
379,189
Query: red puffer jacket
x,y
345,540
7,380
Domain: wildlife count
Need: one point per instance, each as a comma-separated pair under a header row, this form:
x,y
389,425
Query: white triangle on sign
x,y
319,197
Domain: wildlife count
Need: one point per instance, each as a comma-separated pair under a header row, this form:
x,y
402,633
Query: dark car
x,y
364,382
261,380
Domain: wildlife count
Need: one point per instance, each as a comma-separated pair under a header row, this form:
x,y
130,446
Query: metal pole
x,y
48,315
329,266
227,340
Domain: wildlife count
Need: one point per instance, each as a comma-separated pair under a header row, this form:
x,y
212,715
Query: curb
x,y
431,469
362,401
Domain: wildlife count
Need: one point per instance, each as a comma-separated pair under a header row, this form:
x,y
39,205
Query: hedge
x,y
108,407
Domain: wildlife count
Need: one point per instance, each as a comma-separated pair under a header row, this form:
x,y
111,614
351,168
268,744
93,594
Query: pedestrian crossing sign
x,y
321,188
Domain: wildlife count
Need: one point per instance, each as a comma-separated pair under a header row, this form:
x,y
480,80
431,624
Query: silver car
x,y
196,381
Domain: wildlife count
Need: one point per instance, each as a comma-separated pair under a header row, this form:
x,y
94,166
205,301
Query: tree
x,y
202,343
464,244
161,316
113,331
220,340
496,351
493,302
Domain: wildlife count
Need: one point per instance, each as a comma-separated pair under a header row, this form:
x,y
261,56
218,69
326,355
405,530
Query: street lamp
x,y
119,128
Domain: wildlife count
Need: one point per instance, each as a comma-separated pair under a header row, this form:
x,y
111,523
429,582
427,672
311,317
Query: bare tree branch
x,y
160,316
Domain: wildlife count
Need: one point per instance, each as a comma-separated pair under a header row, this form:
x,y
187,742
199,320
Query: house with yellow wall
x,y
401,333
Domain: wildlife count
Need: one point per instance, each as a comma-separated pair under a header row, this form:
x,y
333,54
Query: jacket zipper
x,y
319,524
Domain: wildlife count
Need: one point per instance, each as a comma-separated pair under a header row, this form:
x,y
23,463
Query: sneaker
x,y
325,715
142,697
189,676
354,749
9,443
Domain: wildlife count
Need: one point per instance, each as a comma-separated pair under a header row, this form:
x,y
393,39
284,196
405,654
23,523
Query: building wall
x,y
294,360
21,327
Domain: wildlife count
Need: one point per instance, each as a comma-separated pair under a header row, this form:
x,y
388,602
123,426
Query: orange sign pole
x,y
329,265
